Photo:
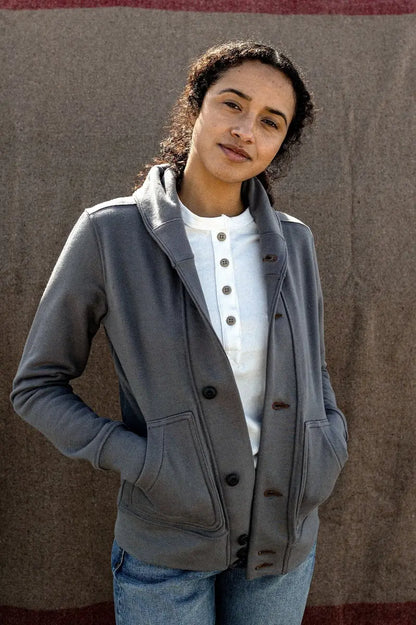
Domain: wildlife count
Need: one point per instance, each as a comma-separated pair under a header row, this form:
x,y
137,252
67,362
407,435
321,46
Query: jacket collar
x,y
272,242
159,206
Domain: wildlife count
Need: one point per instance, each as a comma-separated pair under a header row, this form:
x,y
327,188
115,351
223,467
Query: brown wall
x,y
87,94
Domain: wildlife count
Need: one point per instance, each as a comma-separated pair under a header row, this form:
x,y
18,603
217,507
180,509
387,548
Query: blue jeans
x,y
145,594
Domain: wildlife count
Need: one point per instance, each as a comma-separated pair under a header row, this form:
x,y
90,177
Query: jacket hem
x,y
171,546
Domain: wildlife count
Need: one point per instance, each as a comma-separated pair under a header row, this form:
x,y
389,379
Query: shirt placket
x,y
226,292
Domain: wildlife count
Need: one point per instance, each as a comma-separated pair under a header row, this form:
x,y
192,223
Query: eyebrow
x,y
248,98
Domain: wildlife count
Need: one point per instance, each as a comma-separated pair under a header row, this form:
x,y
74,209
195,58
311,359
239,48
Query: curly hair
x,y
206,71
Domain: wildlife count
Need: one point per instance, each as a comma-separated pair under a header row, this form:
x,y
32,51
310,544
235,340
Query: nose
x,y
244,131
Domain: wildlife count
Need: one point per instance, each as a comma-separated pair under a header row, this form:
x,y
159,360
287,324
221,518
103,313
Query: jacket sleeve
x,y
56,351
333,413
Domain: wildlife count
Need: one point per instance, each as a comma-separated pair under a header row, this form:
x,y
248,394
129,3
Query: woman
x,y
211,301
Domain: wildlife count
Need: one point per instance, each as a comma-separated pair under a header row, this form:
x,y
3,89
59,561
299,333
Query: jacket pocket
x,y
176,485
324,455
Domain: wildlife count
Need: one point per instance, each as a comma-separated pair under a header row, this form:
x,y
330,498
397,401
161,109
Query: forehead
x,y
255,75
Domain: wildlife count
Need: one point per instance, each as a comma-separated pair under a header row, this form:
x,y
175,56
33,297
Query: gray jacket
x,y
190,497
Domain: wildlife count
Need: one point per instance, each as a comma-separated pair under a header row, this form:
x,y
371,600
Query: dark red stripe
x,y
362,614
99,614
278,7
102,614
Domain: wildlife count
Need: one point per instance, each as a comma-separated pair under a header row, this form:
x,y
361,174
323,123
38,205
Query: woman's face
x,y
242,123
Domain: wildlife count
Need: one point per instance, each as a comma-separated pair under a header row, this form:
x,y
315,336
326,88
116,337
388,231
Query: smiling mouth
x,y
234,154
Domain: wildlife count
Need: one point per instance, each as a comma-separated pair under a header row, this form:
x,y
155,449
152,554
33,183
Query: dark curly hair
x,y
206,71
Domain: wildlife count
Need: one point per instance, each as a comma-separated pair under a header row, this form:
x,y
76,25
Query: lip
x,y
233,153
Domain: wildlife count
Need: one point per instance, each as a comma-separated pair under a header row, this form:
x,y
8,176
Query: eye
x,y
232,105
271,123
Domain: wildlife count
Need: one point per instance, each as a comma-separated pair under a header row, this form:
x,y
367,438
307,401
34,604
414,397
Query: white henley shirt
x,y
228,262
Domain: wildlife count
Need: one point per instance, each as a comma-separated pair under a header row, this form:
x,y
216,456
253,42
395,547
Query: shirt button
x,y
224,262
221,236
232,479
226,290
230,320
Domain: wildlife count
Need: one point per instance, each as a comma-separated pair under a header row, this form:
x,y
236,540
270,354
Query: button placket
x,y
226,293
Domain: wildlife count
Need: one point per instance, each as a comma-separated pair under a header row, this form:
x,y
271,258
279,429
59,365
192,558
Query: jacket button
x,y
232,479
242,553
271,492
209,392
243,539
280,405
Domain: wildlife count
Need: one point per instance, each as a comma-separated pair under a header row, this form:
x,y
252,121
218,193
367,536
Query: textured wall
x,y
87,95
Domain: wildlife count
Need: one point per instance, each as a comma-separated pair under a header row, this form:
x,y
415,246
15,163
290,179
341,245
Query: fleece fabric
x,y
189,491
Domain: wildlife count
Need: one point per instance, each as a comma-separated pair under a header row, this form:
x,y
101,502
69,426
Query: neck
x,y
211,200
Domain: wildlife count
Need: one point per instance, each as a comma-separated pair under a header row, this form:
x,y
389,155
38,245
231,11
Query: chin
x,y
233,175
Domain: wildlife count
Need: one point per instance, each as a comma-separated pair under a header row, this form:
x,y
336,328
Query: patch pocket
x,y
324,455
176,484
